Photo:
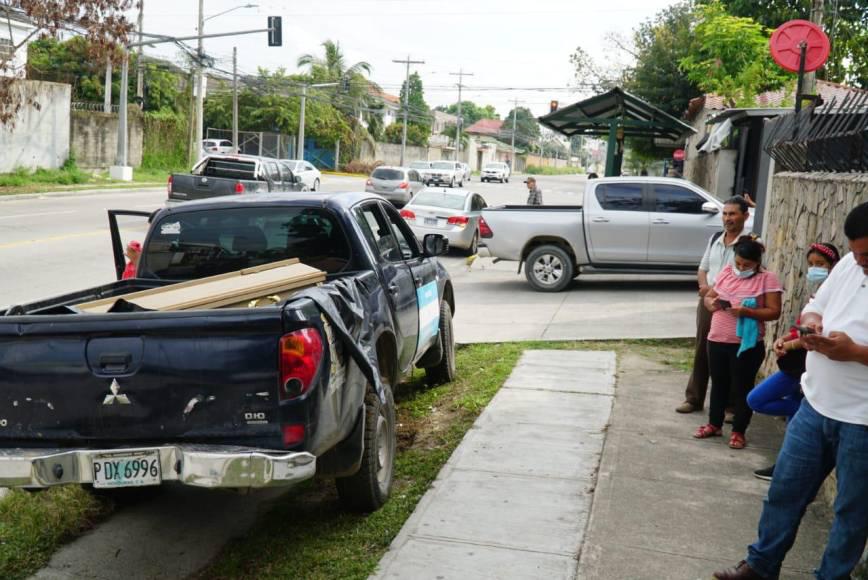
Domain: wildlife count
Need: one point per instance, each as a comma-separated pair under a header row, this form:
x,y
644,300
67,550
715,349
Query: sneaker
x,y
765,473
687,407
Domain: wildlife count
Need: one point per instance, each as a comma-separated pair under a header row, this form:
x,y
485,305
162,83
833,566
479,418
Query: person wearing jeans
x,y
744,297
830,430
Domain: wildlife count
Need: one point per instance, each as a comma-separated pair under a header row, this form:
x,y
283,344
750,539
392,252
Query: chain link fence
x,y
260,143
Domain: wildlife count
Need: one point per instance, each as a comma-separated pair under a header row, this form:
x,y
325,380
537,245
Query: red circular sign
x,y
786,43
678,155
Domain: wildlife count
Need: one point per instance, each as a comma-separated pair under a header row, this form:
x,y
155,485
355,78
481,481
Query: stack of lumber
x,y
260,286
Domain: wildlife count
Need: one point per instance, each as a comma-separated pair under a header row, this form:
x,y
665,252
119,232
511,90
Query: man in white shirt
x,y
718,253
830,430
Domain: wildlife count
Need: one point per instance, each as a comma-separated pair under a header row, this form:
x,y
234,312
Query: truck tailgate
x,y
202,376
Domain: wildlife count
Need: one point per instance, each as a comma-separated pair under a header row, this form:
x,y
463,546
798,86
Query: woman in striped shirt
x,y
745,296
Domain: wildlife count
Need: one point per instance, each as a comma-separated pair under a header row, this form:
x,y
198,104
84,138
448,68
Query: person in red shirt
x,y
134,250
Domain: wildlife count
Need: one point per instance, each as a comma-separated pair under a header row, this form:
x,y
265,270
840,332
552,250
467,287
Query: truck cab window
x,y
620,196
407,242
378,233
675,199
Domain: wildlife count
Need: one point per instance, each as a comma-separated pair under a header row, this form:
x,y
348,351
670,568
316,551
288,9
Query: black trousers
x,y
732,378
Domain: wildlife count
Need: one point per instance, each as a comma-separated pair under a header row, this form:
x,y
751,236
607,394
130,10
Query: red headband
x,y
825,251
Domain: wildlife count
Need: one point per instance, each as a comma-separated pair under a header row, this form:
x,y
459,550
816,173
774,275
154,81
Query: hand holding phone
x,y
723,304
805,330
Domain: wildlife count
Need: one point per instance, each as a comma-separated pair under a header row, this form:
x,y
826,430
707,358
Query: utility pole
x,y
200,79
408,62
107,88
140,73
300,151
235,98
817,11
460,74
514,115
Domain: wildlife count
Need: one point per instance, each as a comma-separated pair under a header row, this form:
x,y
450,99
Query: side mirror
x,y
710,207
435,245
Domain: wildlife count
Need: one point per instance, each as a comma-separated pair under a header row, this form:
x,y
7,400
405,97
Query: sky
x,y
506,44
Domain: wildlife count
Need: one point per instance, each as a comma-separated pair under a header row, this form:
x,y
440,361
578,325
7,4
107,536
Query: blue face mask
x,y
817,274
742,273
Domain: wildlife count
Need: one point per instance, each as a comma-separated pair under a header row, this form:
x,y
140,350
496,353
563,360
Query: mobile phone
x,y
805,330
724,304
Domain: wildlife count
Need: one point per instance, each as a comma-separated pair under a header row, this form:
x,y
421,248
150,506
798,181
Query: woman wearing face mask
x,y
745,296
780,394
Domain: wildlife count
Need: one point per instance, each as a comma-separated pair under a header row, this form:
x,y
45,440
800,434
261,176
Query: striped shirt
x,y
730,287
534,196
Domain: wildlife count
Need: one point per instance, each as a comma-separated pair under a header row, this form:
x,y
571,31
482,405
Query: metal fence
x,y
91,106
832,137
260,143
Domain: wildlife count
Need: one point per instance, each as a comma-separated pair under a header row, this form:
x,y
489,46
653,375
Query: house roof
x,y
378,92
485,127
780,98
447,118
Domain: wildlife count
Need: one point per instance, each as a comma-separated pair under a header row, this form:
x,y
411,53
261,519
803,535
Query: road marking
x,y
20,243
18,215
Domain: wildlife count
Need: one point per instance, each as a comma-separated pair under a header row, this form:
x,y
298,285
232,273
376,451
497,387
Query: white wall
x,y
19,33
39,138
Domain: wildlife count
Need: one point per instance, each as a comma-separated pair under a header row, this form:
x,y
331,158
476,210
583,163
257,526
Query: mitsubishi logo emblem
x,y
115,396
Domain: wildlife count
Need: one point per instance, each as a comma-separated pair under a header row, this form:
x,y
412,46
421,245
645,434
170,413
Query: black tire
x,y
507,180
315,185
474,244
548,269
369,488
461,183
444,371
452,183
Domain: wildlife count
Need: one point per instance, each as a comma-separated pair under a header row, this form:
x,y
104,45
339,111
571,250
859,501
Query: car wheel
x,y
444,371
548,269
507,180
368,489
452,183
474,244
461,183
316,185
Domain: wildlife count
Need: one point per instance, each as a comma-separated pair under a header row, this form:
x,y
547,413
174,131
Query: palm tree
x,y
333,66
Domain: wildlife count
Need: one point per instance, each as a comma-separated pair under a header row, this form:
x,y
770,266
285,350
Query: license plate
x,y
126,469
430,221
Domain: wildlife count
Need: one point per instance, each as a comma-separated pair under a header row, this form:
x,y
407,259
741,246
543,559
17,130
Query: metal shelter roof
x,y
595,116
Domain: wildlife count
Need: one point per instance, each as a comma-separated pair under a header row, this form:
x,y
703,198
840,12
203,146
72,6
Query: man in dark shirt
x,y
534,194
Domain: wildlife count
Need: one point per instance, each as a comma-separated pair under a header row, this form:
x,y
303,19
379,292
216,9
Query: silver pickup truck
x,y
626,225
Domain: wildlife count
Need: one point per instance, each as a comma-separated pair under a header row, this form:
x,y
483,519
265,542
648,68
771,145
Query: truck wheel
x,y
474,244
444,371
548,269
368,489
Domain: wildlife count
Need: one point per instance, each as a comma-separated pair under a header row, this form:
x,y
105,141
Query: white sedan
x,y
309,174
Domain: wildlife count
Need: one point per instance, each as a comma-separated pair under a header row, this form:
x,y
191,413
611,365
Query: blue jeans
x,y
778,395
813,446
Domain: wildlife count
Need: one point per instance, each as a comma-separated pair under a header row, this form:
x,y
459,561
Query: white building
x,y
22,31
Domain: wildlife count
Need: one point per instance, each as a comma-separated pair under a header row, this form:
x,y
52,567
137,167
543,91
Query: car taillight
x,y
239,187
292,434
484,229
407,214
458,220
169,185
300,355
403,185
369,182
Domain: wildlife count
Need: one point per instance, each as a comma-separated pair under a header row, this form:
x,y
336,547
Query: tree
x,y
729,56
471,112
845,21
416,134
526,127
417,108
102,23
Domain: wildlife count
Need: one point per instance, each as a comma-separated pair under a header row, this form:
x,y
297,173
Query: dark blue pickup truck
x,y
232,397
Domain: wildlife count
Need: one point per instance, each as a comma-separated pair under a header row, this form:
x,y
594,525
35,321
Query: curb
x,y
71,193
342,174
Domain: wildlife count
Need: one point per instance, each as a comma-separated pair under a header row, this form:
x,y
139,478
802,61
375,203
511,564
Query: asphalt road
x,y
53,245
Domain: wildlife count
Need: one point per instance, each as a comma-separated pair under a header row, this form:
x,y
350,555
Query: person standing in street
x,y
133,251
718,253
534,194
830,429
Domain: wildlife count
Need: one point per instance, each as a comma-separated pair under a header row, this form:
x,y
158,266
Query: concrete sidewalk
x,y
520,497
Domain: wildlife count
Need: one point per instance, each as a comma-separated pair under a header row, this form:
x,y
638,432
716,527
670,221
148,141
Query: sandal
x,y
737,440
707,431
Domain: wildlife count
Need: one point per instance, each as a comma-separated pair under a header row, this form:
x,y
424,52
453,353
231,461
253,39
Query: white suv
x,y
495,172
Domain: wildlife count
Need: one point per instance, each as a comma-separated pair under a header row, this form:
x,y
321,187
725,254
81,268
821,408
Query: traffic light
x,y
345,84
275,31
553,106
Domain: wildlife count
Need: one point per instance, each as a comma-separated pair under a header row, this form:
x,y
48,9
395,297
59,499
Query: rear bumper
x,y
197,465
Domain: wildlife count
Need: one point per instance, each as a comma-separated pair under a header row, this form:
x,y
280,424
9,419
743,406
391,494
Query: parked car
x,y
628,225
423,168
446,173
453,213
219,146
495,171
310,175
232,397
218,175
397,184
468,174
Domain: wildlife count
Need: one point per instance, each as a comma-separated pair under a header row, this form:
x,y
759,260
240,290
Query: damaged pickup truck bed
x,y
231,397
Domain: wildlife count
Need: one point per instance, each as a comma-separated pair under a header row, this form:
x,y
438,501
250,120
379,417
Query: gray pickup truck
x,y
219,175
626,225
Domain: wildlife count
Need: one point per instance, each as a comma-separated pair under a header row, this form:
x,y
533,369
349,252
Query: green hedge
x,y
538,170
164,145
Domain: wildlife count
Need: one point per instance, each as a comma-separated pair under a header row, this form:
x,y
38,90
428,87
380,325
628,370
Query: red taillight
x,y
407,214
239,187
484,229
292,435
169,185
403,185
369,182
458,220
300,355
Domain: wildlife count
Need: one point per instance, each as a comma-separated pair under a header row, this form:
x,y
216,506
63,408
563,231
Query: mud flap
x,y
345,458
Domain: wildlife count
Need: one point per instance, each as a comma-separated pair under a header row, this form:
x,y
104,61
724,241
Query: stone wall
x,y
39,136
390,153
94,138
